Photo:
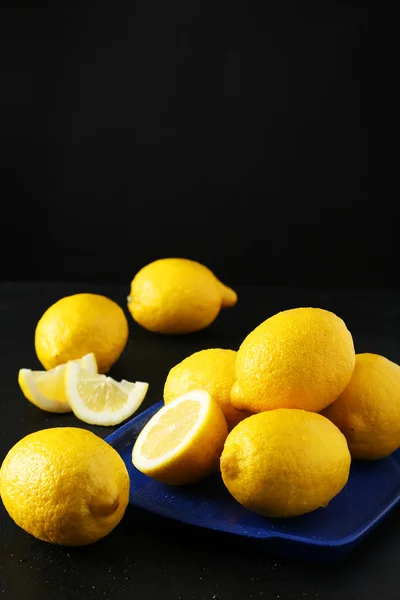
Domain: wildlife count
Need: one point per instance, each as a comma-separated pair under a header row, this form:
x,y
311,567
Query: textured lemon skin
x,y
79,324
200,456
212,370
64,486
299,358
285,462
177,295
368,411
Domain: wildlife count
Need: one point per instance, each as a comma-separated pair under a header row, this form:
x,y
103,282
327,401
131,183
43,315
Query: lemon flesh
x,y
100,400
183,441
46,389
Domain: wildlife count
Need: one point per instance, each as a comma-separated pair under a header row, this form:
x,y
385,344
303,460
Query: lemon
x,y
368,411
183,441
79,324
177,295
100,400
46,389
285,462
65,486
212,370
300,358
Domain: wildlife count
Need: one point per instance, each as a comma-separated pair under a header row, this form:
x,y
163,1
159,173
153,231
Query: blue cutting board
x,y
328,533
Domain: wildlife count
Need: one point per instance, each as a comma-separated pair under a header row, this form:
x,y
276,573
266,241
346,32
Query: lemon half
x,y
183,441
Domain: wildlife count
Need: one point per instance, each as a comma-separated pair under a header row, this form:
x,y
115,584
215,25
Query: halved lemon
x,y
100,400
182,443
46,389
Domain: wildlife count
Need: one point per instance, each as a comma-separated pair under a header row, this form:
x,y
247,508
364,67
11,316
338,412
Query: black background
x,y
256,138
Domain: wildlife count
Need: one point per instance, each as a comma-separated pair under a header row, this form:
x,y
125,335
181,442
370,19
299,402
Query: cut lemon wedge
x,y
182,443
46,389
100,400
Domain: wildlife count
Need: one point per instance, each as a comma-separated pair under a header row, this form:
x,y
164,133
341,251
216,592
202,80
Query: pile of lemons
x,y
281,418
298,404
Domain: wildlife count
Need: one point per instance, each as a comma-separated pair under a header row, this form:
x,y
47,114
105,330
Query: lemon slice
x,y
182,443
100,400
46,389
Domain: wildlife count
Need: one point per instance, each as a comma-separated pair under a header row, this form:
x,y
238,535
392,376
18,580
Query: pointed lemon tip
x,y
237,396
229,296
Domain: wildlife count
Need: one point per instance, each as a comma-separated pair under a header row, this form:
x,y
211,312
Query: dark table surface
x,y
147,557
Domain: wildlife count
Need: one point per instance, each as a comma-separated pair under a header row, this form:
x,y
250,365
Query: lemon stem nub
x,y
229,296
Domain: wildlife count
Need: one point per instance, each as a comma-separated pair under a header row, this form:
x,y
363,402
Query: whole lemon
x,y
177,295
285,462
368,411
79,324
65,486
300,358
212,370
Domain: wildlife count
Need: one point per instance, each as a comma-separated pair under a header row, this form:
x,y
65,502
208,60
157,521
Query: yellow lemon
x,y
79,324
183,441
212,370
177,295
46,389
65,486
368,411
300,358
285,462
